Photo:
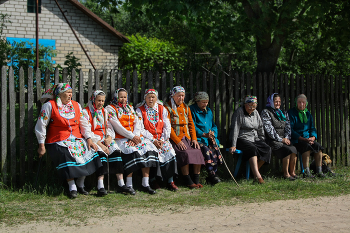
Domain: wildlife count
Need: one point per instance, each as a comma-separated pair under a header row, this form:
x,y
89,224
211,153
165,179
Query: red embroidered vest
x,y
158,129
99,130
60,128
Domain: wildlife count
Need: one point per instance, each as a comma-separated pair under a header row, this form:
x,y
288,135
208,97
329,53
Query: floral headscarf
x,y
201,95
125,109
54,91
175,90
278,112
149,91
302,113
250,99
96,114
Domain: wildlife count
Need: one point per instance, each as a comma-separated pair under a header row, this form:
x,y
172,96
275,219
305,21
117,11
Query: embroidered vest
x,y
101,131
126,121
157,129
60,128
175,119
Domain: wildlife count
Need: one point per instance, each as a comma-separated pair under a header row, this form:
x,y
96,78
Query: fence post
x,y
73,83
13,146
4,123
30,120
81,88
21,126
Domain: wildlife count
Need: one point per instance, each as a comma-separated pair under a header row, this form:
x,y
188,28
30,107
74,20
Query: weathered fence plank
x,y
21,127
57,76
90,83
81,88
164,86
64,75
150,80
135,89
112,86
331,104
30,122
73,84
223,109
4,140
13,144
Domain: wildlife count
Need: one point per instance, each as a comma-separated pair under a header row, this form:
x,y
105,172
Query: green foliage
x,y
71,62
151,54
4,19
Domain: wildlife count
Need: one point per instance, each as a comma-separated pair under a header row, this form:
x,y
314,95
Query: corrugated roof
x,y
98,20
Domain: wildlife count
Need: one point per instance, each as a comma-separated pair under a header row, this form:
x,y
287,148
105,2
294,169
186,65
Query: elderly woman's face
x,y
301,103
151,100
250,107
179,98
122,97
277,102
202,104
66,96
99,101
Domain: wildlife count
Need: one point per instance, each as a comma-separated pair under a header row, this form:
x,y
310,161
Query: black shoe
x,y
290,178
72,194
308,176
148,190
321,175
101,192
82,191
213,180
126,190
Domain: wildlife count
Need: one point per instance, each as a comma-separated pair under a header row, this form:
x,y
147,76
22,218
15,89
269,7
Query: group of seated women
x,y
158,138
286,134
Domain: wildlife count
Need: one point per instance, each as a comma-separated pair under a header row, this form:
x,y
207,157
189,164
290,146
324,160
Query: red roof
x,y
98,20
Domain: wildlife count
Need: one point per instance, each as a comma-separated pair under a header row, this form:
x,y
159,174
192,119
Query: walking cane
x,y
215,144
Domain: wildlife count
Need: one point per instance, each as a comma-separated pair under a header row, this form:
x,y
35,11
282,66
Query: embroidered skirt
x,y
188,156
212,156
251,149
167,160
115,161
66,165
304,146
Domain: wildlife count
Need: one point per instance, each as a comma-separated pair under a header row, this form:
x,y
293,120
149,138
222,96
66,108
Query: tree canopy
x,y
282,35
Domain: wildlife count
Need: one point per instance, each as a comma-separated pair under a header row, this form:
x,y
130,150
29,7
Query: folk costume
x,y
247,133
126,125
183,130
277,126
58,126
156,126
204,122
97,127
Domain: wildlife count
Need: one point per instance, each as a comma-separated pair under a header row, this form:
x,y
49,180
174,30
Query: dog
x,y
326,163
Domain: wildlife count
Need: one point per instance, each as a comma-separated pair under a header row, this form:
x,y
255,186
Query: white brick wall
x,y
52,25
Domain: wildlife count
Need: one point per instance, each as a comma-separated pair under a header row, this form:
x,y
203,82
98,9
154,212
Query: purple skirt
x,y
188,156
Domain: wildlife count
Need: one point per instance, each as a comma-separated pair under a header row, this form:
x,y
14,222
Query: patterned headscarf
x,y
54,91
250,99
96,114
149,91
123,108
175,90
302,113
278,112
201,95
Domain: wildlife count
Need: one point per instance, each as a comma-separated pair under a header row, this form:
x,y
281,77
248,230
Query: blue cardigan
x,y
204,121
305,130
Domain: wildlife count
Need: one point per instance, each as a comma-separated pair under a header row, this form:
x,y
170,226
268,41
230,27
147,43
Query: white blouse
x,y
44,120
166,128
117,126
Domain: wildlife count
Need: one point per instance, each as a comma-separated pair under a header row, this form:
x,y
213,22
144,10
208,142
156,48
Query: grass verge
x,y
21,206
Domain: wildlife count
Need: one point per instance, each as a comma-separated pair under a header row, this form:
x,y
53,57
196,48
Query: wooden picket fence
x,y
328,98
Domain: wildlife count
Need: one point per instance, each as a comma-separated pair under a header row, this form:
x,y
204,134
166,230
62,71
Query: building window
x,y
31,8
30,46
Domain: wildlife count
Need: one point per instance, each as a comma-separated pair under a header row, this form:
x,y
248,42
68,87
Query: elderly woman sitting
x,y
101,132
207,133
157,128
58,131
304,135
247,135
137,151
277,128
183,137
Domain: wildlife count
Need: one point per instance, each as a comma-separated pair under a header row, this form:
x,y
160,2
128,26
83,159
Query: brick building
x,y
101,40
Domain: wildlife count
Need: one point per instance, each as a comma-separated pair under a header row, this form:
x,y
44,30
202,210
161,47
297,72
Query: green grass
x,y
21,206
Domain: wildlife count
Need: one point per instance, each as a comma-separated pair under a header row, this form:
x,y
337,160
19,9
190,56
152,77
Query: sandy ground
x,y
325,214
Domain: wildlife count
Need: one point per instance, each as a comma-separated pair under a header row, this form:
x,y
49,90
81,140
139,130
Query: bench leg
x,y
238,165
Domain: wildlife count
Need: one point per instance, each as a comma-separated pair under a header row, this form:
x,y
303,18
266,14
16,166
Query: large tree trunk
x,y
267,55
